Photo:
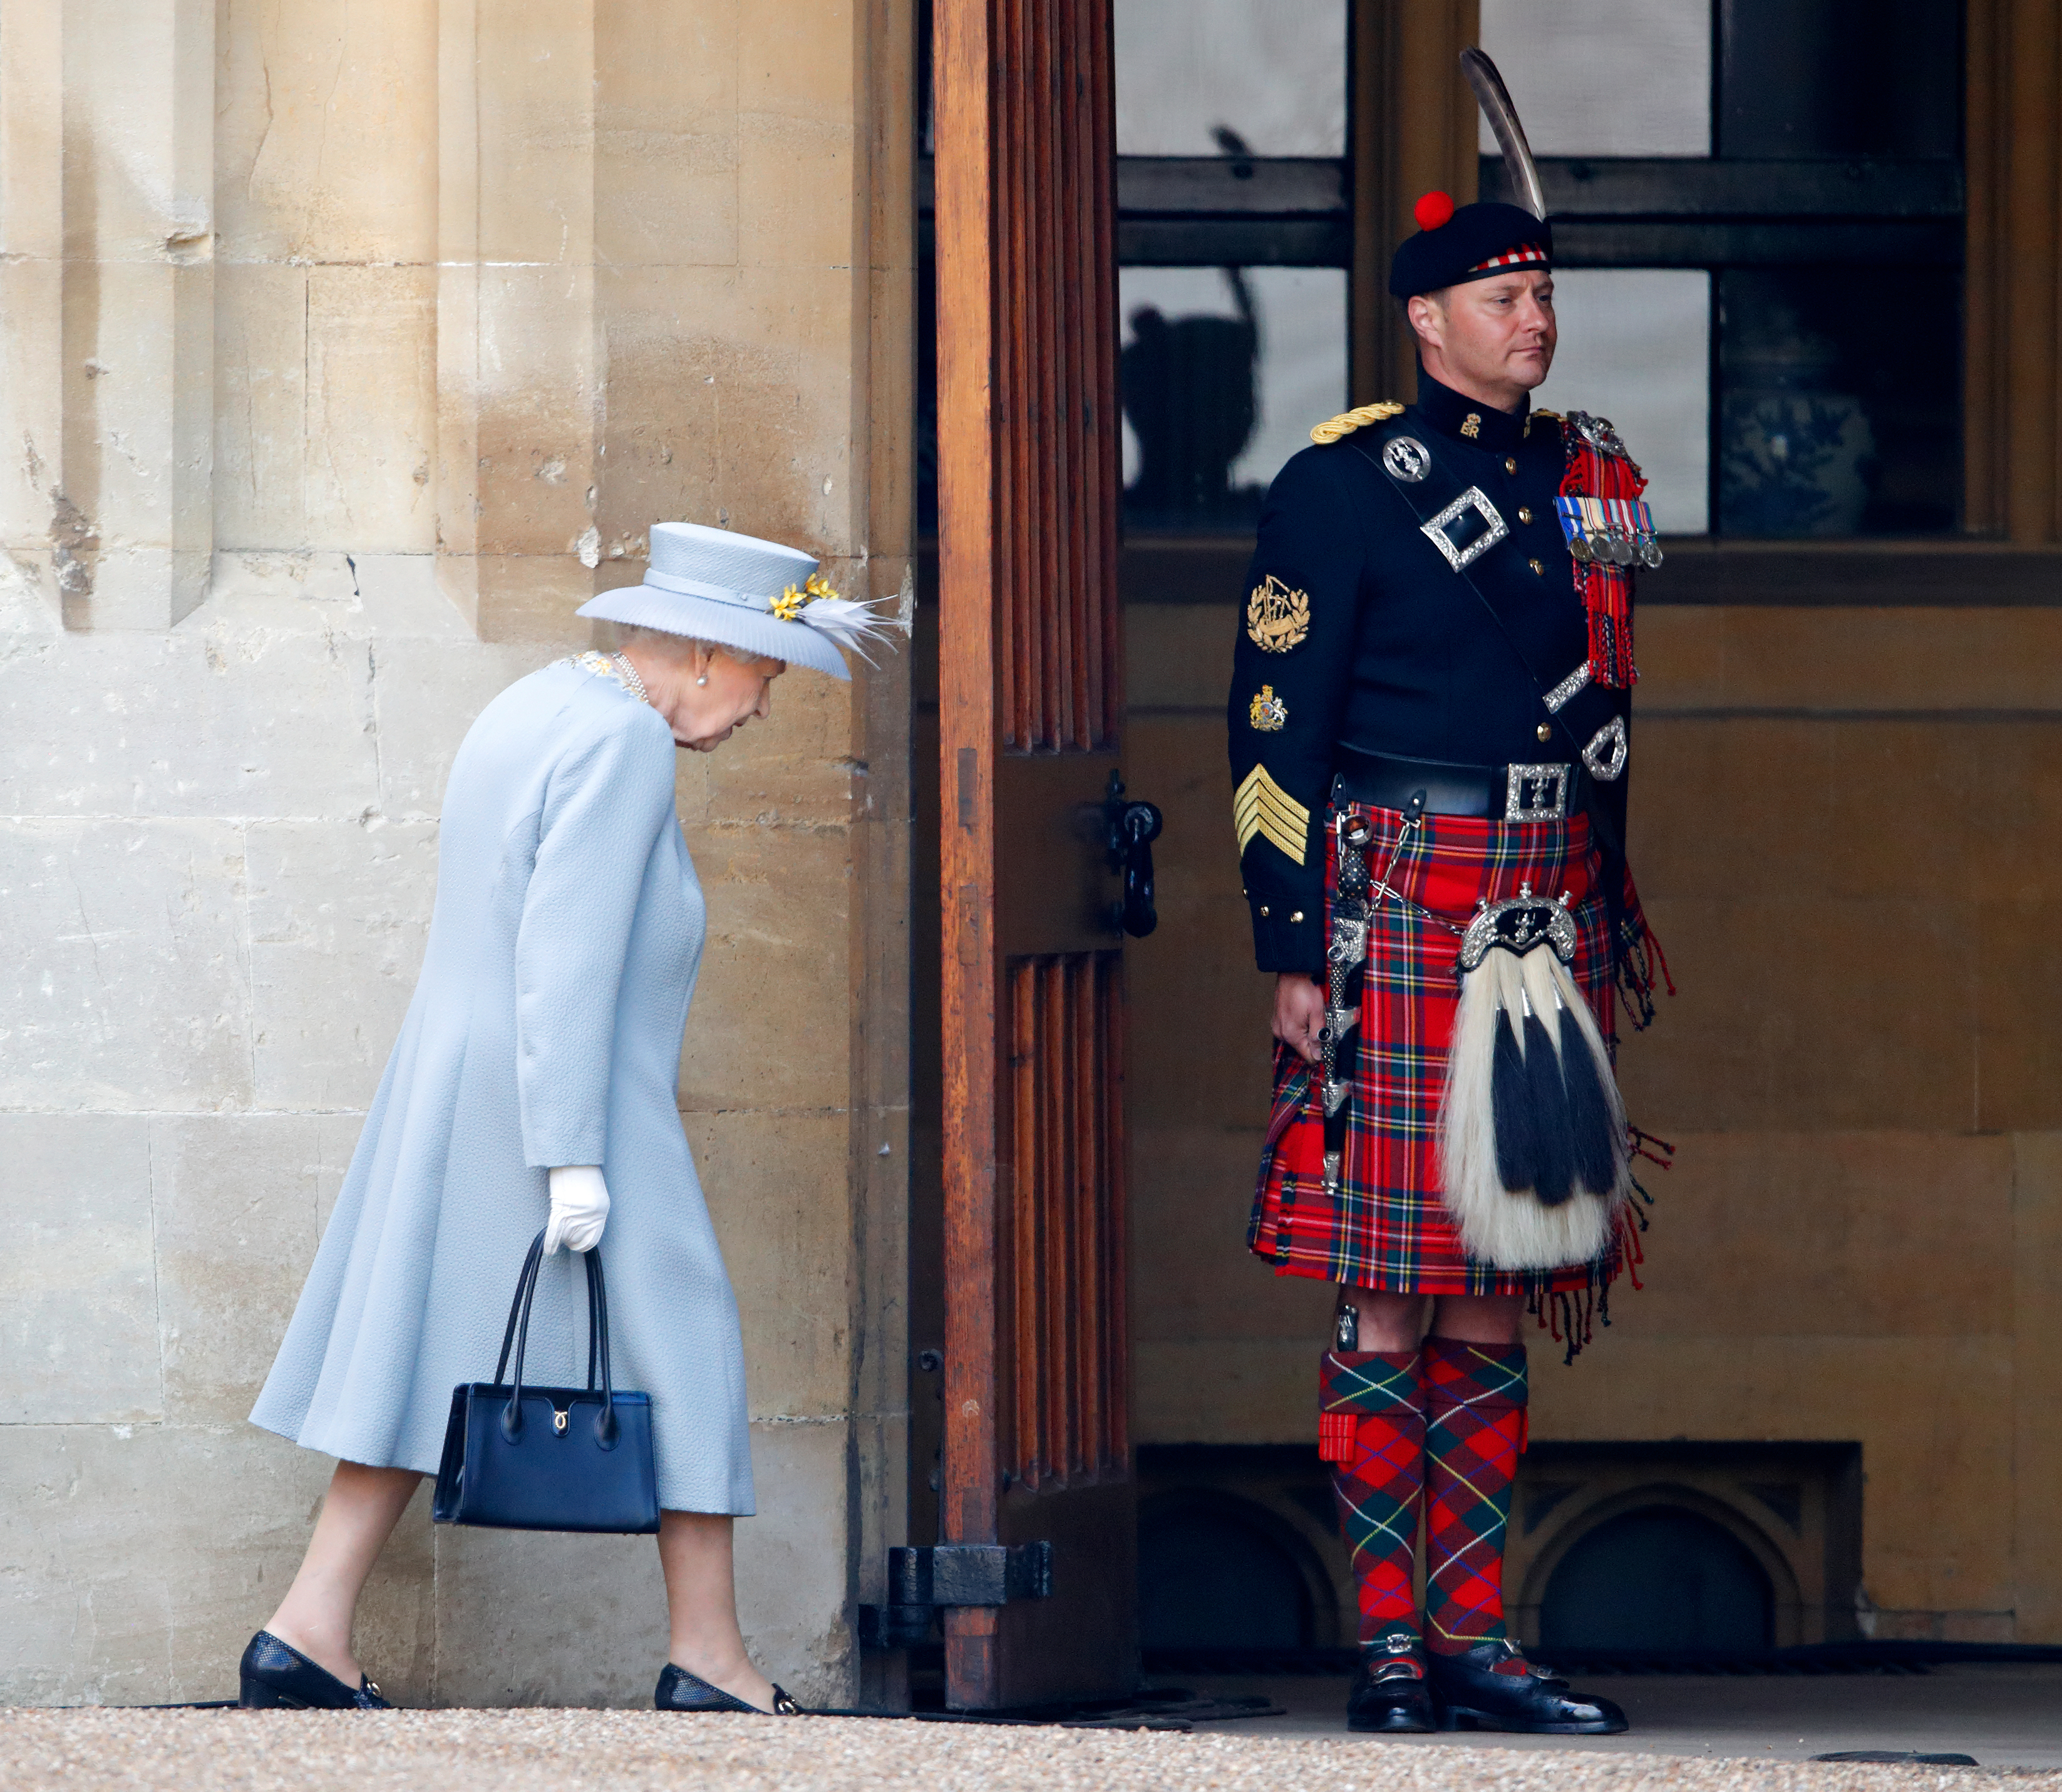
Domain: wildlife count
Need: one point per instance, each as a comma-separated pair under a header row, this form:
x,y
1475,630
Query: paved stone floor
x,y
2004,1716
622,1751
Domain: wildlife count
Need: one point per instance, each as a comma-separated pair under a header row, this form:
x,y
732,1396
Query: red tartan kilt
x,y
1387,1228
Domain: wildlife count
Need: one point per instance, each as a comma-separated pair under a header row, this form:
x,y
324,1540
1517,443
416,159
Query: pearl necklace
x,y
633,682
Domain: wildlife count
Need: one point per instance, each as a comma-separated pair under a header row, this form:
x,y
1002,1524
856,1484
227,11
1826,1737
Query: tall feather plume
x,y
1494,99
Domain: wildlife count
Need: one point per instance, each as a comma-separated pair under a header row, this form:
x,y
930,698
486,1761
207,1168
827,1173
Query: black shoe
x,y
274,1676
1389,1695
679,1690
1492,1686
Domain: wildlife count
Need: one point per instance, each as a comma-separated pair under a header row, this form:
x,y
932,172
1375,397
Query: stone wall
x,y
1844,827
348,349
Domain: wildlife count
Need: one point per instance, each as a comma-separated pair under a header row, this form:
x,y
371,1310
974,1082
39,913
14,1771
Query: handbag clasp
x,y
560,1420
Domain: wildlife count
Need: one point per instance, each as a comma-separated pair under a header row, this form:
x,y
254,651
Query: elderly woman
x,y
533,1083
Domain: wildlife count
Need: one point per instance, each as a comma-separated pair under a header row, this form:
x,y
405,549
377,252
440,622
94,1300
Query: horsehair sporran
x,y
1534,1157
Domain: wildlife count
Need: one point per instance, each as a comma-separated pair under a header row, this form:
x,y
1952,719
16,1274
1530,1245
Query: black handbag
x,y
521,1458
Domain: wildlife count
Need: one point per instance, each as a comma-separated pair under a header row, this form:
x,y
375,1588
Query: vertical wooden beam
x,y
963,99
2013,360
1412,127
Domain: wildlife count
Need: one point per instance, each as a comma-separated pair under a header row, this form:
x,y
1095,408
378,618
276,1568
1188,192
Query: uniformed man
x,y
1428,726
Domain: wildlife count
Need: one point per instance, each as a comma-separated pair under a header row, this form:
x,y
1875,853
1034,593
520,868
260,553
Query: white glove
x,y
580,1208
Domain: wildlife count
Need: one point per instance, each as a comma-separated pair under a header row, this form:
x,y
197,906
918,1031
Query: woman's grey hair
x,y
626,632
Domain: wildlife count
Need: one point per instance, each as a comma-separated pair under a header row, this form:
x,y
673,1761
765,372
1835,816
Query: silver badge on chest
x,y
1404,458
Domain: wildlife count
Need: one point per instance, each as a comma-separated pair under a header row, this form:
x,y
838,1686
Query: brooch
x,y
1277,618
1268,712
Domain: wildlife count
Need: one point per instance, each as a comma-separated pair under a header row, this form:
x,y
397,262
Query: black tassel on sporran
x,y
1534,1153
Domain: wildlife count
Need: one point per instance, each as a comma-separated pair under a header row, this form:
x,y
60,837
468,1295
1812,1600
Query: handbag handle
x,y
518,1335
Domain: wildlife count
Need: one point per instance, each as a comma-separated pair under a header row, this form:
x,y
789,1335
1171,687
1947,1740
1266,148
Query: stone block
x,y
1730,806
528,83
793,770
238,1203
261,419
389,598
2018,1000
2036,1445
794,173
778,1188
428,694
1191,1195
539,1618
794,1560
97,1616
537,407
1842,658
2015,806
1890,1234
31,402
665,143
774,971
1213,1390
140,370
525,600
78,1301
326,130
339,913
208,720
325,438
1809,1014
1178,656
137,995
1682,652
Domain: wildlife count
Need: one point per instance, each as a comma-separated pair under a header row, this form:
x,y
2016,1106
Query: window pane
x,y
1272,71
1840,413
1636,347
1605,77
1224,371
1841,78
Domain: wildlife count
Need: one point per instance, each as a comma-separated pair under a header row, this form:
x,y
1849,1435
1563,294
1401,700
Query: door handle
x,y
1133,827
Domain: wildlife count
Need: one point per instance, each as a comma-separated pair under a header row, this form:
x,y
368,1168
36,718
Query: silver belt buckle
x,y
1536,793
1494,529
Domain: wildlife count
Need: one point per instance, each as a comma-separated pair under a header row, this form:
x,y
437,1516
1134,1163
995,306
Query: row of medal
x,y
1609,531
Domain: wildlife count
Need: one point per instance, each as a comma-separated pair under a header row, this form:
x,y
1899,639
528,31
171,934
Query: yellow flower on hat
x,y
787,606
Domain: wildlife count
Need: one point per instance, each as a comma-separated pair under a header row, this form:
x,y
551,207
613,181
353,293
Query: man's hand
x,y
580,1208
1299,1013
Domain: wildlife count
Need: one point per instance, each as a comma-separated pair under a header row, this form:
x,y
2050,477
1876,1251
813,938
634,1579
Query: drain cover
x,y
1904,1757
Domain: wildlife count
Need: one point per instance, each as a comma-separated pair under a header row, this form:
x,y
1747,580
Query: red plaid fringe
x,y
1386,1227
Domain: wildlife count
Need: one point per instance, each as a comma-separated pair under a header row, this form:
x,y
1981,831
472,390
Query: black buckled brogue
x,y
1389,1695
1492,1686
274,1676
679,1690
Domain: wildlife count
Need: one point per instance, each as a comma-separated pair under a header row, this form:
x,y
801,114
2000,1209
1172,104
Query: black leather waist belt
x,y
1541,792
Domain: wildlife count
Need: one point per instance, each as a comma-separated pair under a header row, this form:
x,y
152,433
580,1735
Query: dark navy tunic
x,y
1397,655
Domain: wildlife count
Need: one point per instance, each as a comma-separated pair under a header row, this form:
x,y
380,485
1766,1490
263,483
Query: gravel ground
x,y
571,1751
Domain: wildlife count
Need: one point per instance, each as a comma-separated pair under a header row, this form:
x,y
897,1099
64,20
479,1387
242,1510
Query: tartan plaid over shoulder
x,y
1386,1227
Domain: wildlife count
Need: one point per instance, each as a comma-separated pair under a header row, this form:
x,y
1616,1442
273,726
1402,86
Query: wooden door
x,y
1030,698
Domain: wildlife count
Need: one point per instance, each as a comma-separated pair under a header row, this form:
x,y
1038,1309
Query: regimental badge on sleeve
x,y
1268,711
1277,618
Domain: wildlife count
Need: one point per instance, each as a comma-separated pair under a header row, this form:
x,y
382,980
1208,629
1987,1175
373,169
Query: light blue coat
x,y
546,1029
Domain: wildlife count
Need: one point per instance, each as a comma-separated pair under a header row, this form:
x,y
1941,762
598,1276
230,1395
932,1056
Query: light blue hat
x,y
715,585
